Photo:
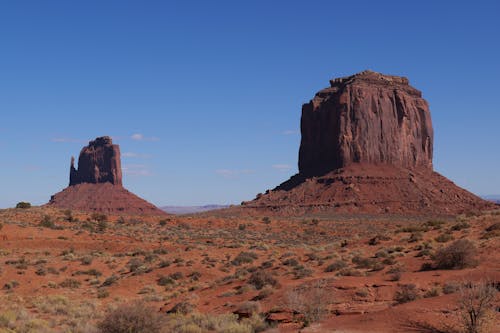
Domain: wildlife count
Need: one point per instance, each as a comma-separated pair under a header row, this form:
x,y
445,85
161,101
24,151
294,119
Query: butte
x,y
96,186
367,147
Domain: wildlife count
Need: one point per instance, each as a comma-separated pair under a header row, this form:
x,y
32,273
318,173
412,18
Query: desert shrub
x,y
434,224
110,281
301,272
164,263
261,278
68,215
312,303
86,260
264,293
335,266
406,293
41,271
23,205
244,258
266,220
135,317
377,239
415,237
460,226
493,227
177,275
433,292
362,292
349,272
47,222
99,217
443,238
492,231
451,287
70,283
134,264
458,255
290,262
363,262
248,308
476,304
224,323
11,285
182,308
102,225
414,228
102,293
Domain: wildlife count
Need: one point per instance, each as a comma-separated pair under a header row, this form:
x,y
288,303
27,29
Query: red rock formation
x,y
367,148
104,198
365,118
99,162
96,185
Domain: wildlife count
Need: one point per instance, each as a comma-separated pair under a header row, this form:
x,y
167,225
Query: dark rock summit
x,y
366,147
99,162
96,185
365,118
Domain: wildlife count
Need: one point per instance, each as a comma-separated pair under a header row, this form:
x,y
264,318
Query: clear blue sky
x,y
204,97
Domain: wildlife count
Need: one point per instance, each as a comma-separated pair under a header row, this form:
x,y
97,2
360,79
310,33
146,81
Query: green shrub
x,y
23,205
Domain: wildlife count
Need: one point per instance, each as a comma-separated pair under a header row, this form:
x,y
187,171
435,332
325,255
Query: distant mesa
x,y
367,147
96,185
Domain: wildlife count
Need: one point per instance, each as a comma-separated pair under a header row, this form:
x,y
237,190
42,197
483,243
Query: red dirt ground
x,y
198,253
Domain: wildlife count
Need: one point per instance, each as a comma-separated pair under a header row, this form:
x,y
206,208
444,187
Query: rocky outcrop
x,y
99,162
366,147
96,185
103,198
365,118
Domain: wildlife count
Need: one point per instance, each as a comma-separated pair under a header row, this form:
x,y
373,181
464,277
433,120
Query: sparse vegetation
x,y
311,302
406,293
261,278
136,317
476,305
458,255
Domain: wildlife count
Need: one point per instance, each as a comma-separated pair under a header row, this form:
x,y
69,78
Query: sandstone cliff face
x,y
99,162
367,148
365,118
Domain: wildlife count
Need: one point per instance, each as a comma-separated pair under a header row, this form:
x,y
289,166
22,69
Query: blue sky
x,y
204,97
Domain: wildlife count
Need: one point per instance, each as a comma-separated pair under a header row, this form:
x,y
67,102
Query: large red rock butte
x,y
96,185
367,147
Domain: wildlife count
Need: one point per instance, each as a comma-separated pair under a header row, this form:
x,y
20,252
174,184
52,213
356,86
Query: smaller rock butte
x,y
366,147
99,162
96,185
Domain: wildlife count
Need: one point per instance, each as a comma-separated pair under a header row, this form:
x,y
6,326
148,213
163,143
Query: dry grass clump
x,y
225,323
407,293
136,317
261,278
